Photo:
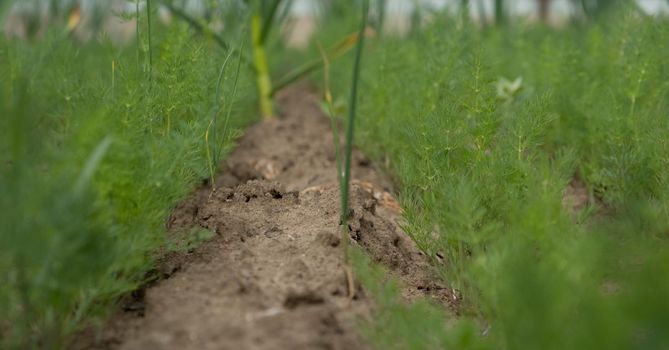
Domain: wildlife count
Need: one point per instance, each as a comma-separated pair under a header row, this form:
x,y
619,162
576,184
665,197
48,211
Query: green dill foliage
x,y
486,133
398,325
88,175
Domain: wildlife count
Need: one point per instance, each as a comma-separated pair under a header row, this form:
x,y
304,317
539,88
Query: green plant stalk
x,y
113,78
137,32
217,96
232,100
210,162
260,27
263,80
584,7
380,15
333,120
350,124
267,23
416,17
148,18
499,12
285,11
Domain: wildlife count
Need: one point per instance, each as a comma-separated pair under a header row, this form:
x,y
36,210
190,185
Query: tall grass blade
x,y
213,157
351,121
380,15
148,34
333,120
210,162
499,12
113,81
226,121
217,97
137,32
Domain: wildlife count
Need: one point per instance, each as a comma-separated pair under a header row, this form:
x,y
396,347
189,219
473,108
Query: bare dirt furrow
x,y
273,276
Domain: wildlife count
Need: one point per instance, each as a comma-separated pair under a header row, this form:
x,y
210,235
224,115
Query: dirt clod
x,y
328,238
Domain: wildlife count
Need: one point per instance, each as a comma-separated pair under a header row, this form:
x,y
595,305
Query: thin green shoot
x,y
380,15
350,123
137,32
217,98
261,66
210,162
213,159
226,121
148,34
113,76
499,12
327,96
269,18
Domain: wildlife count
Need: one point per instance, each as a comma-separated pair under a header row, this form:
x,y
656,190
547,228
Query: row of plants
x,y
97,144
532,166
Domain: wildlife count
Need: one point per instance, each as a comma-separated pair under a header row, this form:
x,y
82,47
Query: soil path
x,y
273,276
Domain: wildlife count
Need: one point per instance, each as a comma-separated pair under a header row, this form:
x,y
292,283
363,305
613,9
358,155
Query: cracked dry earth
x,y
273,276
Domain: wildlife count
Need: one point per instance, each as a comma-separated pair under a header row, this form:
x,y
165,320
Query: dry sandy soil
x,y
274,275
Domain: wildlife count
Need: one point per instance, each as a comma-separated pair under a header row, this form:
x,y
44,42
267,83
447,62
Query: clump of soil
x,y
576,196
273,276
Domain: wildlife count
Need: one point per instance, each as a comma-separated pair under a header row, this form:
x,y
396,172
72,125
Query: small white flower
x,y
507,90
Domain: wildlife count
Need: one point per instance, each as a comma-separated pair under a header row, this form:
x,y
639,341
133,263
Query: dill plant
x,y
68,248
483,179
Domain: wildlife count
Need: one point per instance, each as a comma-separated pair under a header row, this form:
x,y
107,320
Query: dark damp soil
x,y
273,276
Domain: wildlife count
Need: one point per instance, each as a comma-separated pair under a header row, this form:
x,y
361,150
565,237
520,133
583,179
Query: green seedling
x,y
331,112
